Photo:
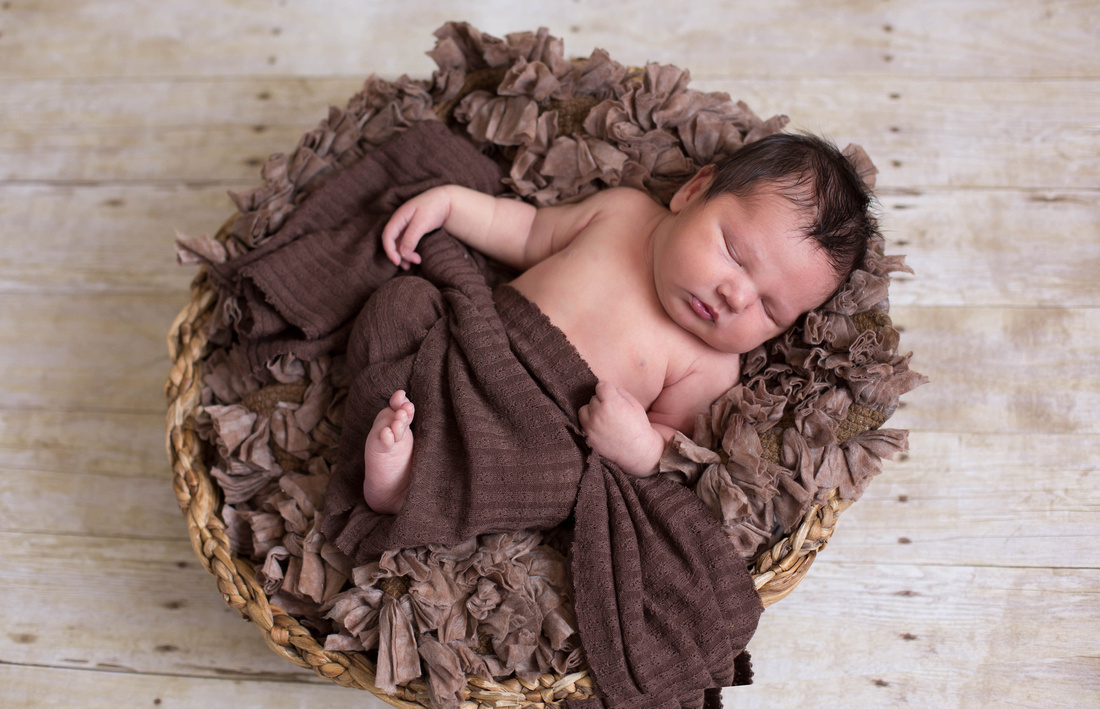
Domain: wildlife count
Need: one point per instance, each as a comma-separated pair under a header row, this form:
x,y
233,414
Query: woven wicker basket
x,y
776,571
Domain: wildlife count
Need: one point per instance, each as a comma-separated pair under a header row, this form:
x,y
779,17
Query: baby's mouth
x,y
703,310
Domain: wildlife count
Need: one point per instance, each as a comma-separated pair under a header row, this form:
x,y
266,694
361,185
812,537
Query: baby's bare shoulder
x,y
622,198
621,210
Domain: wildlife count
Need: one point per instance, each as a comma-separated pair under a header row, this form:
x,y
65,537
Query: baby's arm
x,y
508,230
621,430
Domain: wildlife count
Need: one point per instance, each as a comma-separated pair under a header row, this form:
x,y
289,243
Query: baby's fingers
x,y
392,232
611,395
403,231
419,224
597,413
606,391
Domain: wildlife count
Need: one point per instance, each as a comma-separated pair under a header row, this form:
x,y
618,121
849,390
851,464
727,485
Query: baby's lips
x,y
703,310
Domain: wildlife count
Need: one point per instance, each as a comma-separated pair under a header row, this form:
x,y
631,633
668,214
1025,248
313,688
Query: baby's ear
x,y
691,189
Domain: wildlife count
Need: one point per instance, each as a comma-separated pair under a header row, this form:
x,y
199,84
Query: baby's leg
x,y
387,456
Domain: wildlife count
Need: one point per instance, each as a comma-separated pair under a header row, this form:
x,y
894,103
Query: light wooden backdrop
x,y
969,574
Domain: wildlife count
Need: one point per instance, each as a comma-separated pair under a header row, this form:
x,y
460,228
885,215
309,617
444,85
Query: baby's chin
x,y
741,345
731,348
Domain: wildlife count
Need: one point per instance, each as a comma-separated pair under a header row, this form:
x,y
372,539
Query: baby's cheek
x,y
766,330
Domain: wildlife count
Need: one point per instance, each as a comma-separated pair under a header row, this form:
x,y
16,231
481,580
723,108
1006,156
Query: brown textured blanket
x,y
663,601
301,289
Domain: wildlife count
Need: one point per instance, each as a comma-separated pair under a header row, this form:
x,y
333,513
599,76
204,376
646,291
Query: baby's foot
x,y
387,456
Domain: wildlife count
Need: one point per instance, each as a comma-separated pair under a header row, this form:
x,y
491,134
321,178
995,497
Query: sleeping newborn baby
x,y
660,302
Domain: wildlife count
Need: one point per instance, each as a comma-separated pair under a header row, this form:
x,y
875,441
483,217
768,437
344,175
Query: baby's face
x,y
737,272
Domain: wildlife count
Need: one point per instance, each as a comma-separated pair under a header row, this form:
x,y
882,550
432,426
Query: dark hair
x,y
815,176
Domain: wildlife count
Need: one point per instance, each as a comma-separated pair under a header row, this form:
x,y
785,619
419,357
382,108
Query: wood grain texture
x,y
1069,682
105,688
104,602
88,504
1011,500
968,574
911,615
937,38
1012,370
119,444
88,353
59,252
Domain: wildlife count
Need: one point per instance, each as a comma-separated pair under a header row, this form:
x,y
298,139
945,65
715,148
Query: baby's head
x,y
759,239
818,179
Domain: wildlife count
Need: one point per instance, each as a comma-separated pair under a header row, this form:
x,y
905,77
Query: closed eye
x,y
732,253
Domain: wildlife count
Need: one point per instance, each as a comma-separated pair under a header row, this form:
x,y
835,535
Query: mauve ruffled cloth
x,y
799,425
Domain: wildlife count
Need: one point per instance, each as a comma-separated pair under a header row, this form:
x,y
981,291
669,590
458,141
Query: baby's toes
x,y
400,425
387,437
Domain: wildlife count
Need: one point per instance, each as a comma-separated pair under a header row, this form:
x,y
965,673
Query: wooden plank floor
x,y
968,576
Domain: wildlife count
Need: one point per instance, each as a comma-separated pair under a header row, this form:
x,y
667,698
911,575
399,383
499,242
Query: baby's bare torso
x,y
599,291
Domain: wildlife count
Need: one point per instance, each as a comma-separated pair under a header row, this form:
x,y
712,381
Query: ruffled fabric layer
x,y
576,127
804,421
802,425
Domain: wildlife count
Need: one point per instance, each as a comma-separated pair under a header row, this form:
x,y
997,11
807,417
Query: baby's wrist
x,y
649,457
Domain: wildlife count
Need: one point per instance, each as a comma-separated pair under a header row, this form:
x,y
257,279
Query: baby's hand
x,y
619,430
412,220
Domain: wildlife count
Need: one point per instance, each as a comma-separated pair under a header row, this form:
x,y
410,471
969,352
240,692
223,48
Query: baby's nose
x,y
736,294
